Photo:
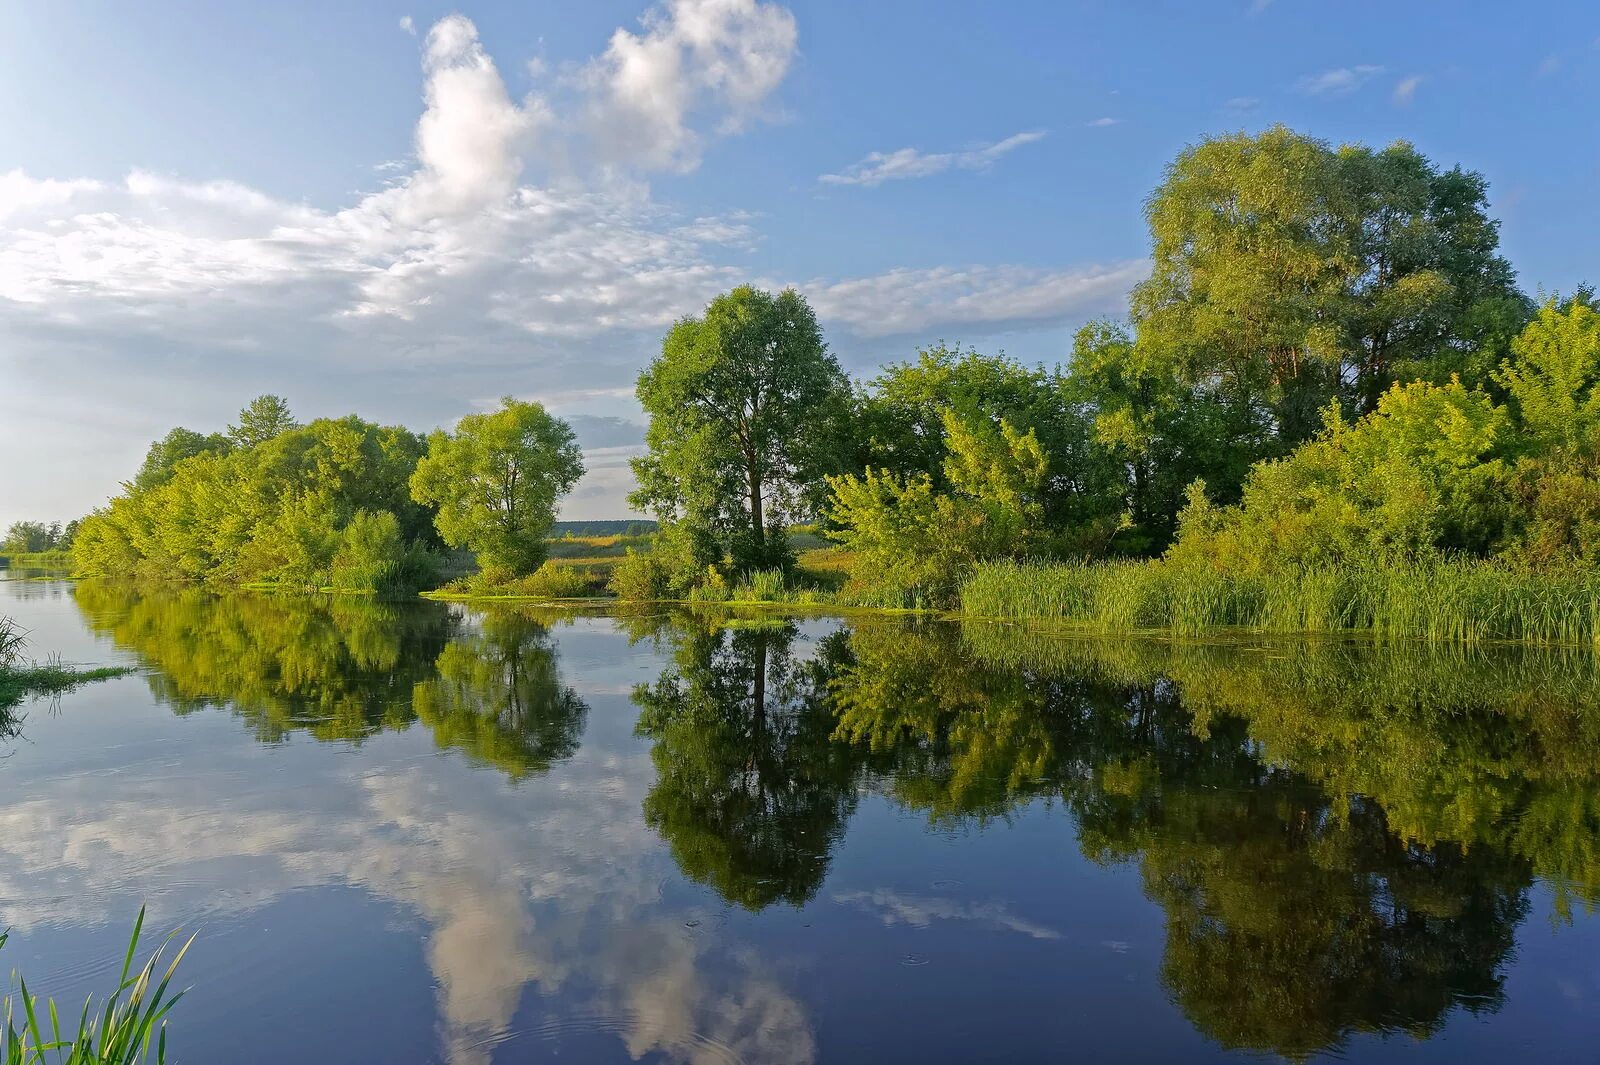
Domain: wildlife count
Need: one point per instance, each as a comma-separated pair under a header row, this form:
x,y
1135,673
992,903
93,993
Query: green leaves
x,y
746,409
496,480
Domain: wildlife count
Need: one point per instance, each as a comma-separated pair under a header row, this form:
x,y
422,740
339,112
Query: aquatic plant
x,y
1449,600
124,1030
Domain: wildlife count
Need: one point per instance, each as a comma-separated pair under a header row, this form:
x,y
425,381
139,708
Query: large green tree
x,y
1286,273
496,481
900,418
744,403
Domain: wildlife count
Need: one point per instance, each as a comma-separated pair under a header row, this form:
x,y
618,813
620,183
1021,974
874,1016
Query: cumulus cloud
x,y
877,167
1340,81
689,57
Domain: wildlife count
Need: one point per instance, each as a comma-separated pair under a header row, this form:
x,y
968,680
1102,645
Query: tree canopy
x,y
496,480
745,404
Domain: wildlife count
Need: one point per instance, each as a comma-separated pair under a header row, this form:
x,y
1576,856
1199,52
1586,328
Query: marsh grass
x,y
1441,601
19,678
124,1030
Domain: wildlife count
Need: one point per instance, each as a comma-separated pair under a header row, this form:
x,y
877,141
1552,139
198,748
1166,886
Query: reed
x,y
1437,601
129,1028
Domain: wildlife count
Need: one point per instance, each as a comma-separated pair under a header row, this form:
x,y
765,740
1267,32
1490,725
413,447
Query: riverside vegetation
x,y
1329,407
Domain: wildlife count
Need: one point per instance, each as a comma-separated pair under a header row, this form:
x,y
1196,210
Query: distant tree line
x,y
35,537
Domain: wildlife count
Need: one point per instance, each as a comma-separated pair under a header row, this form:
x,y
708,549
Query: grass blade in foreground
x,y
121,1032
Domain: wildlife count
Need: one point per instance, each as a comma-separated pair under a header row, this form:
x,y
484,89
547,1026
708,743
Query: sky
x,y
407,211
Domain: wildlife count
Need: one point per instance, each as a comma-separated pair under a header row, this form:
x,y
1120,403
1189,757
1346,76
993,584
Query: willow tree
x,y
1286,273
496,481
743,402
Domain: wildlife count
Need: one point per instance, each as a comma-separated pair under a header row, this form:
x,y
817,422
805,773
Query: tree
x,y
29,537
179,444
900,429
496,481
264,418
1287,274
744,405
912,541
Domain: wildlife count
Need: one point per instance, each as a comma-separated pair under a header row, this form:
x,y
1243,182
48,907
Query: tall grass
x,y
1453,600
12,640
122,1031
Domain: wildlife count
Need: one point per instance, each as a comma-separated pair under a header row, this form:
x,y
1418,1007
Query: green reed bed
x,y
1435,601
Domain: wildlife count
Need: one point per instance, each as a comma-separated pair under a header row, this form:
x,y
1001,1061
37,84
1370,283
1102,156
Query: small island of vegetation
x,y
1329,408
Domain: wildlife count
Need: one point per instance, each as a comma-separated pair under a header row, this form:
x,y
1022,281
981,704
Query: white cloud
x,y
1101,123
1241,104
691,56
408,24
1340,81
878,167
1406,90
988,298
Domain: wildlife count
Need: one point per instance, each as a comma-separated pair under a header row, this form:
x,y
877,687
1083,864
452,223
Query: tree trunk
x,y
757,520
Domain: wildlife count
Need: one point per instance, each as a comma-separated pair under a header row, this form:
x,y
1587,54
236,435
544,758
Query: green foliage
x,y
900,429
1433,471
641,576
263,418
1416,478
37,538
373,556
1288,273
275,511
179,444
1435,601
496,481
746,405
124,1030
911,544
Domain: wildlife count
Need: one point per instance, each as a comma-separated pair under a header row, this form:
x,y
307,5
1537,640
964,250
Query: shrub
x,y
640,575
556,581
373,557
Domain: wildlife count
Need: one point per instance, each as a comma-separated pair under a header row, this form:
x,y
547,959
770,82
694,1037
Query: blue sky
x,y
407,210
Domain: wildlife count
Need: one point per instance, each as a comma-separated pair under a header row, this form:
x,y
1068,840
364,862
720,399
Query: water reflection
x,y
1253,787
750,791
1340,839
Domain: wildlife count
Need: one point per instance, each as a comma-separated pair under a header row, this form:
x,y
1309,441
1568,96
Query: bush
x,y
556,581
640,576
373,557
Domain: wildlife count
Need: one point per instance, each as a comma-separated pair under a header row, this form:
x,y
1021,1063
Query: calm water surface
x,y
425,834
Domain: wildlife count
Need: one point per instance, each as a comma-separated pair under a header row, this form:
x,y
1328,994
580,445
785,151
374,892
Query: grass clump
x,y
129,1028
1436,601
20,678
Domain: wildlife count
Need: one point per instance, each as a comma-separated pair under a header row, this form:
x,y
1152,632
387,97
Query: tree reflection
x,y
345,667
1252,789
338,668
499,697
750,792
